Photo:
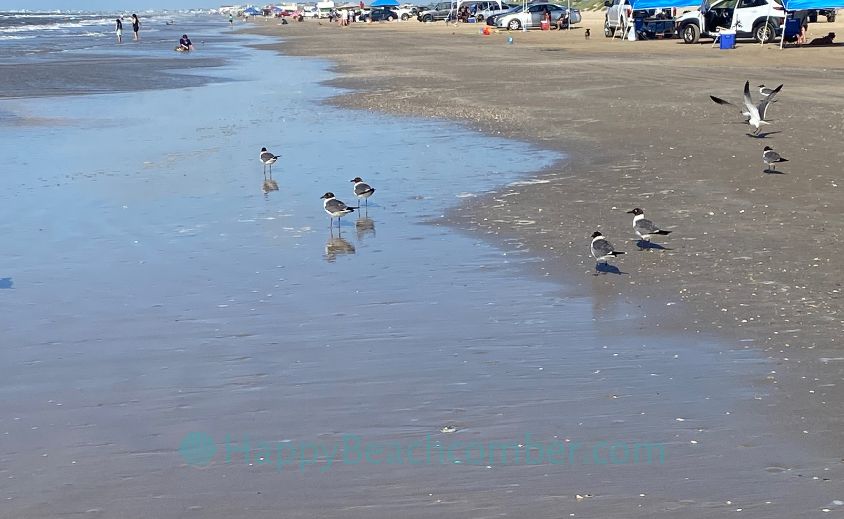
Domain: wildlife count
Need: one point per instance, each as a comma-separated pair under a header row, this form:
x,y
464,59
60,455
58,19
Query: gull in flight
x,y
754,114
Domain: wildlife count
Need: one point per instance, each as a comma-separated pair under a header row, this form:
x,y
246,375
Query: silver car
x,y
533,16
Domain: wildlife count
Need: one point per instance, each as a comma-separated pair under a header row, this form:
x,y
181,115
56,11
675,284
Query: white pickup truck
x,y
620,10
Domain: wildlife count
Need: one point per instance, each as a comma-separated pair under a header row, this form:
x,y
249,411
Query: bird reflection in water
x,y
364,226
337,246
269,184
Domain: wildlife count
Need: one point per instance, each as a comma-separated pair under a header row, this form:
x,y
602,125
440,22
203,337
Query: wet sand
x,y
752,257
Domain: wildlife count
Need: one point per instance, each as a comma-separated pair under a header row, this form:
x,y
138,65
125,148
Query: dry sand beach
x,y
753,256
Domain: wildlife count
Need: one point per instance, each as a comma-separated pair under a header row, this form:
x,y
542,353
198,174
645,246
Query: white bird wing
x,y
752,111
762,109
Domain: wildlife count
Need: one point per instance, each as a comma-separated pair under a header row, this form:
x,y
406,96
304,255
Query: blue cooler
x,y
728,41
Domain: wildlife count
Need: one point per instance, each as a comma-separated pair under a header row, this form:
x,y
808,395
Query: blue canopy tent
x,y
637,5
251,11
659,4
800,5
384,3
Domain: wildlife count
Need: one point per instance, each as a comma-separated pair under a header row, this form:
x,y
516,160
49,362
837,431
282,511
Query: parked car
x,y
406,12
532,17
761,20
828,13
380,14
436,12
490,20
485,8
618,9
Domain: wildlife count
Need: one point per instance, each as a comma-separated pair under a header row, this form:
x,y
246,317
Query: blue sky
x,y
107,5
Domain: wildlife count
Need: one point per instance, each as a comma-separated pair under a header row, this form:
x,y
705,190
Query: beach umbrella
x,y
251,11
384,3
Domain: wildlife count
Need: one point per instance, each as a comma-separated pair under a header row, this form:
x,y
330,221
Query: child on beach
x,y
184,44
136,26
119,30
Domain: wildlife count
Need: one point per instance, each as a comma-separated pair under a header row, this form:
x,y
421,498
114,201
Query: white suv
x,y
761,20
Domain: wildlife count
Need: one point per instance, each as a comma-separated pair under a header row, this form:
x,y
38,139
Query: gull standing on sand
x,y
335,208
602,249
766,92
268,159
362,190
771,157
643,227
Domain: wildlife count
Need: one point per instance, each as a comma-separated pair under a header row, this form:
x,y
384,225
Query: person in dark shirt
x,y
185,43
136,26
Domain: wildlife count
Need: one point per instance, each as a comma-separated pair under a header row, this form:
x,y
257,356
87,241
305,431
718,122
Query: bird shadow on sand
x,y
770,171
647,245
762,135
6,283
606,268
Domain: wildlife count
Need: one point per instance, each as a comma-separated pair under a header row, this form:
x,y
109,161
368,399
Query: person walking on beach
x,y
119,30
136,26
231,20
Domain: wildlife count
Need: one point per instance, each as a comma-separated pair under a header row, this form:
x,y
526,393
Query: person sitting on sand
x,y
184,44
563,21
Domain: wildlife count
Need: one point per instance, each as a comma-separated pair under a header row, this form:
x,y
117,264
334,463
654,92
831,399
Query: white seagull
x,y
268,159
770,157
335,208
643,227
768,92
362,190
754,114
602,249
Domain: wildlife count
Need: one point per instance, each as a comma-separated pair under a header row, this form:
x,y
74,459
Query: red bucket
x,y
545,25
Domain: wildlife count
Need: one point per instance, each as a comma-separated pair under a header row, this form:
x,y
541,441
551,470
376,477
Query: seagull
x,y
768,92
602,249
362,190
770,157
268,159
643,227
754,115
335,208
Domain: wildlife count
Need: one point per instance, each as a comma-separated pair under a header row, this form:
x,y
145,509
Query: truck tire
x,y
609,32
691,33
479,18
830,17
764,31
427,18
405,17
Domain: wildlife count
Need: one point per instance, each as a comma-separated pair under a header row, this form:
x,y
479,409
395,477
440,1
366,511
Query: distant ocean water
x,y
71,53
33,33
